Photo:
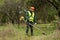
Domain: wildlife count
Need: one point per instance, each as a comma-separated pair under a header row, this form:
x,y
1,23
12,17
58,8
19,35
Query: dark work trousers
x,y
29,26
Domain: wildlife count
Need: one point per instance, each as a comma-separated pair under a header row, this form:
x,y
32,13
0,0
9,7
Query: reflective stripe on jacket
x,y
31,16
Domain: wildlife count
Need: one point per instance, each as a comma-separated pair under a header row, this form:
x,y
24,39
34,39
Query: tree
x,y
10,11
42,7
56,4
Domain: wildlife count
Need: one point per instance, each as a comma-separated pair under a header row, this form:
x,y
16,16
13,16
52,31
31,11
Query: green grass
x,y
12,32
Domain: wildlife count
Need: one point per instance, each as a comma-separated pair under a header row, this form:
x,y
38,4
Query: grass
x,y
12,32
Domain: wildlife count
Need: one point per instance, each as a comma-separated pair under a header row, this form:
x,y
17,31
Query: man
x,y
30,19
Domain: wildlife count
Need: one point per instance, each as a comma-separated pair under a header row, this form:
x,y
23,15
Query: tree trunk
x,y
58,25
59,14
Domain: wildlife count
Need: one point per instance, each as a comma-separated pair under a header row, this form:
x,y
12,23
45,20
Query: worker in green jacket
x,y
30,19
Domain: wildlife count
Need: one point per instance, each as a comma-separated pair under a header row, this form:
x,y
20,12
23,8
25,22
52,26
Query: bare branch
x,y
53,4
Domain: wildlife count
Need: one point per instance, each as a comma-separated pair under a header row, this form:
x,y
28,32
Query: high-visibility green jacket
x,y
30,16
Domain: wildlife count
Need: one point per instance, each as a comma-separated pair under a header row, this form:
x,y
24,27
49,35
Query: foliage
x,y
11,10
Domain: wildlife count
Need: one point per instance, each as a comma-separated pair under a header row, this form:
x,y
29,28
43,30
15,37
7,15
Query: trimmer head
x,y
44,33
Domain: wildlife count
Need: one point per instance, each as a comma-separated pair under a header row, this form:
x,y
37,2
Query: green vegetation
x,y
12,32
47,13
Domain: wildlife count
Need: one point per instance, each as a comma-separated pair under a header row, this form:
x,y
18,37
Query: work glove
x,y
35,23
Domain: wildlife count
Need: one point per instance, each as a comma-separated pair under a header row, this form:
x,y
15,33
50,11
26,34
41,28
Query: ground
x,y
13,32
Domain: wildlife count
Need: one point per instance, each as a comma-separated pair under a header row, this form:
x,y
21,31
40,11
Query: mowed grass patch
x,y
47,29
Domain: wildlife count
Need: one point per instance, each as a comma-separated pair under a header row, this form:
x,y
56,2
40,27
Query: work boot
x,y
31,34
